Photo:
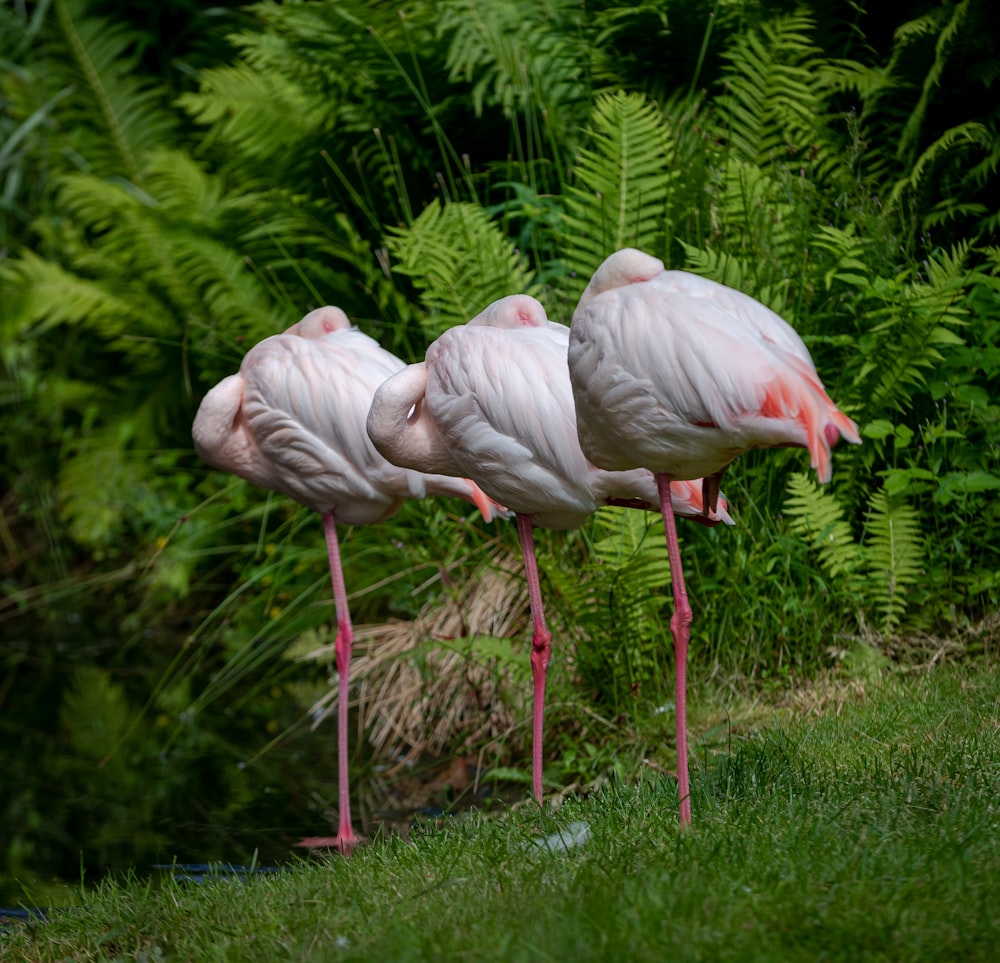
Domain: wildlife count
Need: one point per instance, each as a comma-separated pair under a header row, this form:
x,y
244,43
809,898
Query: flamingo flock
x,y
662,380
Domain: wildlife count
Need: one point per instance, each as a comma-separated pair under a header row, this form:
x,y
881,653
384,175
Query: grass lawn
x,y
869,830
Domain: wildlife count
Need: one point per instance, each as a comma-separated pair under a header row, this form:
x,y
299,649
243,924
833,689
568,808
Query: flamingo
x,y
492,401
681,375
293,421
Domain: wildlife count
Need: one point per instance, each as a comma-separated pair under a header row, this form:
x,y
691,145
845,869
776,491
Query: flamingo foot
x,y
344,844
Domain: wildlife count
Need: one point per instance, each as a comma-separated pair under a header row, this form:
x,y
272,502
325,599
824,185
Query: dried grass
x,y
421,690
921,651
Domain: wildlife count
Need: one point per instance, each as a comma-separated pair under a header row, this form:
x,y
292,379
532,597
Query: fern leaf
x,y
955,140
816,515
130,116
894,554
623,183
845,249
517,60
913,325
932,80
256,110
736,272
773,99
94,715
460,261
45,295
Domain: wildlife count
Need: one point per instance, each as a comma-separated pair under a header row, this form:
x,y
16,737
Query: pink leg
x,y
541,648
680,626
345,839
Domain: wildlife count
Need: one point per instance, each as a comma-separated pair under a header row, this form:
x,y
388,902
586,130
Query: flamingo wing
x,y
502,400
305,403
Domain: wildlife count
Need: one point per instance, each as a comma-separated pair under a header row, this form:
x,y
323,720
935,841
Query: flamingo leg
x,y
680,627
541,649
345,839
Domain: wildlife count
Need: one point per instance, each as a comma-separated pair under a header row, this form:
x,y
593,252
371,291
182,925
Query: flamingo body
x,y
679,374
492,400
293,421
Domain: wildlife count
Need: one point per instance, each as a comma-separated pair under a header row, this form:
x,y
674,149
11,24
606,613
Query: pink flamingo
x,y
492,400
293,420
681,375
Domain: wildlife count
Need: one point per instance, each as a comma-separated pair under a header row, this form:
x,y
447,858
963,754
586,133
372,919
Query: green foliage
x,y
459,262
617,611
909,327
124,110
527,61
772,92
883,569
172,191
818,517
935,98
622,184
894,555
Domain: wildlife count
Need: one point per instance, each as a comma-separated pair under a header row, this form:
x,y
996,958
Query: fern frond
x,y
956,140
626,538
913,325
894,554
773,101
721,266
759,233
622,184
736,272
167,240
845,249
946,35
528,65
45,295
258,111
460,262
623,600
94,714
816,515
129,116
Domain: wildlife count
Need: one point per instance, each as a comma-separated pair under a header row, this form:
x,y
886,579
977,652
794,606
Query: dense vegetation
x,y
179,181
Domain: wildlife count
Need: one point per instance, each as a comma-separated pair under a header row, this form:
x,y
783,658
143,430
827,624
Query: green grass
x,y
866,831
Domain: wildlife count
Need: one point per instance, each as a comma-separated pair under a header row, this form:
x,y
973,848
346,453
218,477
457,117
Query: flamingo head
x,y
321,322
514,311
